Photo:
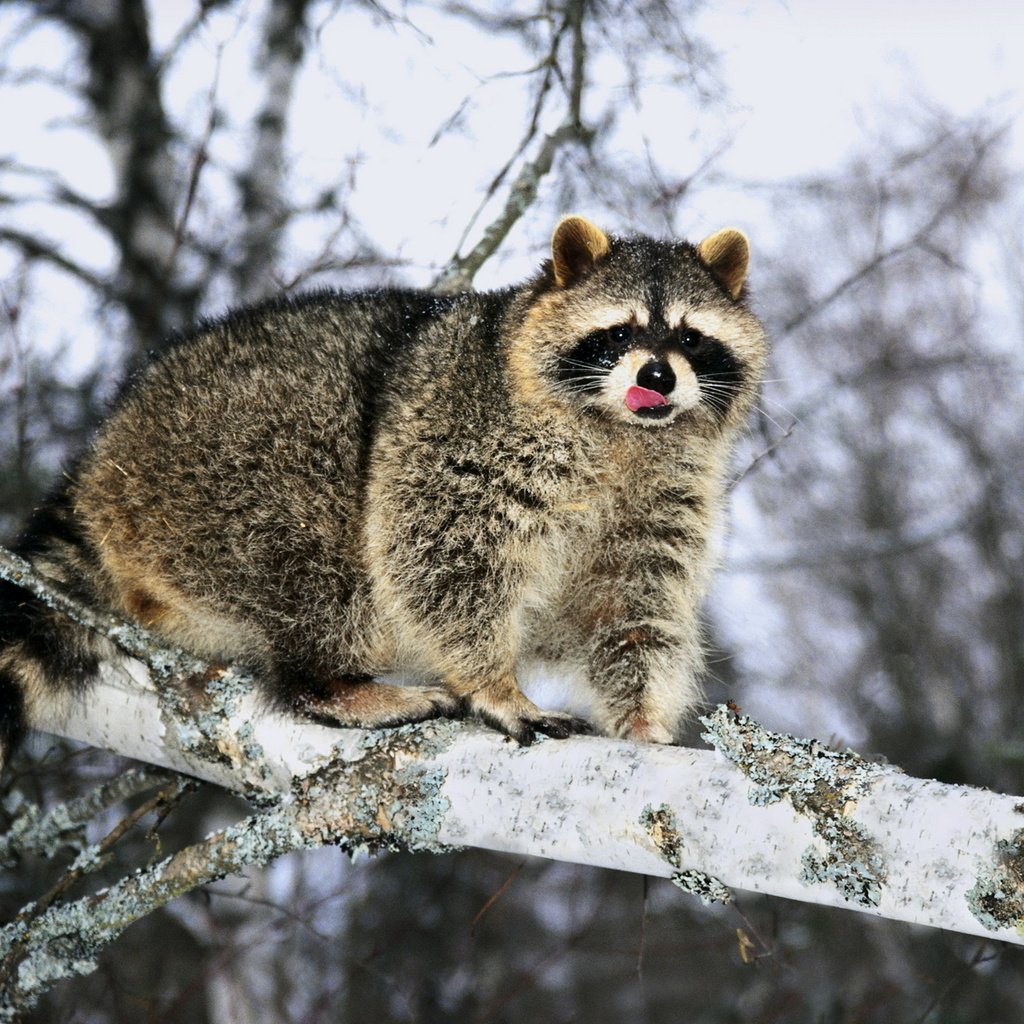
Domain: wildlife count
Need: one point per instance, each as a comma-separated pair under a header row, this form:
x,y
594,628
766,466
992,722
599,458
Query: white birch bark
x,y
766,813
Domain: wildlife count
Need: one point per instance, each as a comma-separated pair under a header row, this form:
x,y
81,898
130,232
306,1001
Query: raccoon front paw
x,y
523,720
524,728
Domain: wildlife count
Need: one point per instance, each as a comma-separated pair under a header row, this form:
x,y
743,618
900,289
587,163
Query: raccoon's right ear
x,y
576,246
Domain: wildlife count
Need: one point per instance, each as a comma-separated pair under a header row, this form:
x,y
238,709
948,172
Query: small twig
x,y
38,908
762,455
458,275
494,897
168,795
256,840
747,936
199,160
296,917
644,908
184,35
34,833
920,239
958,977
887,545
533,127
32,248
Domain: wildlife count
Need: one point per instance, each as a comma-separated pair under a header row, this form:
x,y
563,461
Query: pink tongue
x,y
643,398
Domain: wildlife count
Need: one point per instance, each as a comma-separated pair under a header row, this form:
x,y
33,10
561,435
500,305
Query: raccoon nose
x,y
658,376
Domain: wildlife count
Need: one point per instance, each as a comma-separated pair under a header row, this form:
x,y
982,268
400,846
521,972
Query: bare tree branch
x,y
19,949
886,545
796,819
549,67
919,239
123,89
459,273
34,832
32,247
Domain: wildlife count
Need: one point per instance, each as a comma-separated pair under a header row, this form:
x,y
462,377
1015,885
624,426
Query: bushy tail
x,y
46,659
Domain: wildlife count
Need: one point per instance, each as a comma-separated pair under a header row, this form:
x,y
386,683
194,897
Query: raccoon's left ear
x,y
726,254
576,246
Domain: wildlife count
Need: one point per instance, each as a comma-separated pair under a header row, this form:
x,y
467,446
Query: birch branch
x,y
767,813
265,210
458,275
776,814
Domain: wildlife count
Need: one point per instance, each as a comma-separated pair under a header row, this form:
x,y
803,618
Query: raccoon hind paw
x,y
371,705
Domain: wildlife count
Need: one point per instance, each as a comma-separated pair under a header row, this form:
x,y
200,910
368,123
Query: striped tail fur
x,y
46,659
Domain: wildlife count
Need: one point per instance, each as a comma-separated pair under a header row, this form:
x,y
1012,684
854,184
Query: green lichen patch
x,y
392,796
36,831
820,783
851,861
200,711
706,887
997,898
661,825
389,798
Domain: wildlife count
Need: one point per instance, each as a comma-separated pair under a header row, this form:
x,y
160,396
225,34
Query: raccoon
x,y
337,488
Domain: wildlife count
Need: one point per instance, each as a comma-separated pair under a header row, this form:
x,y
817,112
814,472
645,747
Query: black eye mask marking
x,y
585,367
720,374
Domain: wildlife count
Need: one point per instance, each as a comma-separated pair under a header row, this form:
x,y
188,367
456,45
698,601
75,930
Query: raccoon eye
x,y
621,334
691,339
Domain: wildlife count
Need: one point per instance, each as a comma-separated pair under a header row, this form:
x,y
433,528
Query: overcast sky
x,y
807,82
810,77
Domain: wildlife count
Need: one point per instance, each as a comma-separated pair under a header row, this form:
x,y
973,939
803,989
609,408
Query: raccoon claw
x,y
563,726
507,710
558,727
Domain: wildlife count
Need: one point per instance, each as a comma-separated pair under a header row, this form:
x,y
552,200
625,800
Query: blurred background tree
x,y
165,161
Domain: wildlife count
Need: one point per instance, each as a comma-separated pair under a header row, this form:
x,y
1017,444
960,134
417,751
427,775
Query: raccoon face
x,y
646,333
649,375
